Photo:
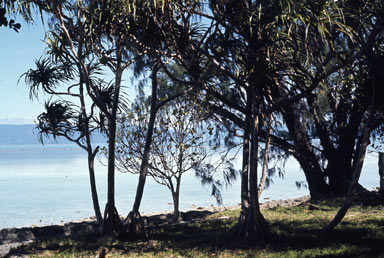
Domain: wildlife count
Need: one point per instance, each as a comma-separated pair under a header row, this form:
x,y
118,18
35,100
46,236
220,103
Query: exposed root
x,y
134,224
112,225
254,227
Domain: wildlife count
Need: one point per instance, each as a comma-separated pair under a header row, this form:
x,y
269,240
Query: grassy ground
x,y
295,230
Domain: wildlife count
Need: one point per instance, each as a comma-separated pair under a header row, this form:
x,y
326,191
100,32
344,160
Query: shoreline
x,y
267,204
13,238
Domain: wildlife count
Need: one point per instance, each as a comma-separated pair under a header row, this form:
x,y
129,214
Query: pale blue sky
x,y
18,51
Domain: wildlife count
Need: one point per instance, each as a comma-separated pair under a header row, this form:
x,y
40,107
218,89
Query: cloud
x,y
16,120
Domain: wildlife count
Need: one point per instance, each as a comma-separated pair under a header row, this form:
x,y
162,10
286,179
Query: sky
x,y
18,52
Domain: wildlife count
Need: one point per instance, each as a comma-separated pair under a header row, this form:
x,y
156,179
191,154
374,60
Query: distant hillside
x,y
27,134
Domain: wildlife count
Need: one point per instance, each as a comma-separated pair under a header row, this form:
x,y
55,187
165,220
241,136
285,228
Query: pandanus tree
x,y
66,118
245,56
93,35
147,40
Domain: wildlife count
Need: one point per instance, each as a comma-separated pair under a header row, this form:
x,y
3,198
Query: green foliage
x,y
245,59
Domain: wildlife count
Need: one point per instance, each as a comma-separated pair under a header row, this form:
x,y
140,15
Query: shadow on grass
x,y
293,237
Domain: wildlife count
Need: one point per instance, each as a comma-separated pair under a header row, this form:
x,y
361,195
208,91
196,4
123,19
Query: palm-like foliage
x,y
47,76
56,120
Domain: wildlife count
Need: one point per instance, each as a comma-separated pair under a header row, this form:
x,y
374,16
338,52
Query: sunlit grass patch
x,y
296,232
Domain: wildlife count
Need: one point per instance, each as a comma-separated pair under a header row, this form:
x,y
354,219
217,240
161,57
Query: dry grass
x,y
296,233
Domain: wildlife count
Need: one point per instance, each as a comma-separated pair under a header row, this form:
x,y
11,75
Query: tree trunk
x,y
176,193
340,169
355,179
337,171
95,198
176,201
133,222
305,154
112,225
356,173
264,173
347,151
254,227
381,173
244,177
175,197
91,153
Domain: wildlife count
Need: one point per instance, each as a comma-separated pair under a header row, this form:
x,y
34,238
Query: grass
x,y
295,230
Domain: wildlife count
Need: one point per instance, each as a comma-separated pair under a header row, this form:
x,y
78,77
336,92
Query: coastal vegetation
x,y
295,232
278,79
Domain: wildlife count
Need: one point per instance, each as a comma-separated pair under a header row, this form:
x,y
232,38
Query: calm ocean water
x,y
43,185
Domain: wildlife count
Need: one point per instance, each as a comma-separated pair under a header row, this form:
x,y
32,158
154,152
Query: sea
x,y
49,184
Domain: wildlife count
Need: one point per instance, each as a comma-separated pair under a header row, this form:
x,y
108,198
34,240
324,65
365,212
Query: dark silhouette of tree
x,y
97,38
245,59
381,172
11,23
356,173
14,8
371,80
264,172
63,117
327,125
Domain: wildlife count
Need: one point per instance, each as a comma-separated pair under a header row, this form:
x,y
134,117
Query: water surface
x,y
42,185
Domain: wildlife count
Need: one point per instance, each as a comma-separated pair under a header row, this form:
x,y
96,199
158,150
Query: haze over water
x,y
43,185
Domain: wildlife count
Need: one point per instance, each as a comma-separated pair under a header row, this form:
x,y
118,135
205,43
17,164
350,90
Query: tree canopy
x,y
312,67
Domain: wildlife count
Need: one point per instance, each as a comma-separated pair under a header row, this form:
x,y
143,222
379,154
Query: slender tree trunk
x,y
244,192
245,172
355,179
381,172
91,153
112,225
176,192
133,222
176,200
356,173
255,226
92,180
264,173
111,222
177,210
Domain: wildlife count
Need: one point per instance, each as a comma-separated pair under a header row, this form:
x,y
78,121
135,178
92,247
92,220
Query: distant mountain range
x,y
27,134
